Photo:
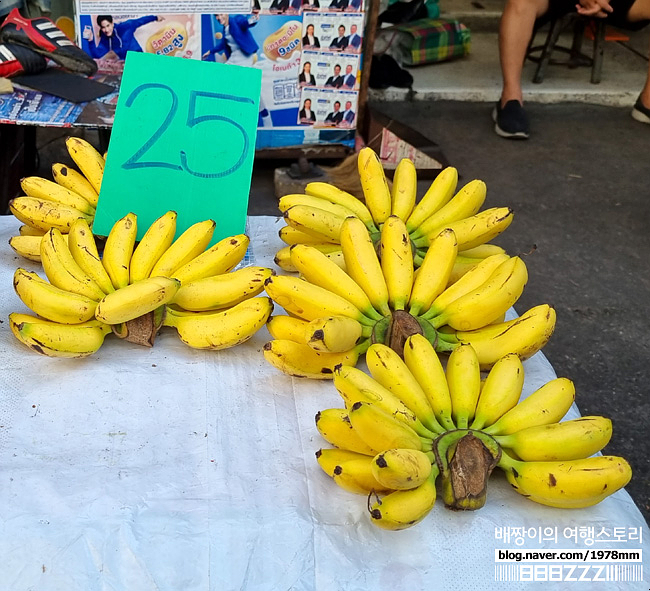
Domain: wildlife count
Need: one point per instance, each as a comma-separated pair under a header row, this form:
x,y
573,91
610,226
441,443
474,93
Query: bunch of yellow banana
x,y
179,283
316,218
57,204
335,315
411,422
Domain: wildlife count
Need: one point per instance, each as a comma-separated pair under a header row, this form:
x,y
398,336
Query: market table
x,y
175,469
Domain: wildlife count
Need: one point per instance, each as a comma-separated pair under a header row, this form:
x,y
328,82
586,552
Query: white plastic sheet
x,y
173,469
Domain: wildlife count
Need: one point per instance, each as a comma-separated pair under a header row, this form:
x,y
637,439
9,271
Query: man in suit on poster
x,y
348,115
341,42
335,117
354,40
349,80
336,80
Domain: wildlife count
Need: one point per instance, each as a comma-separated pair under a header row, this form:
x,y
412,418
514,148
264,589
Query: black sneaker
x,y
44,37
511,121
640,112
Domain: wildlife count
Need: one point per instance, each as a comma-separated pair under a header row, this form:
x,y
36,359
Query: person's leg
x,y
640,11
515,31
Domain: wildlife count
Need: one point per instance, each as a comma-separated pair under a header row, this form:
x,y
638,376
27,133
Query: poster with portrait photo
x,y
332,6
328,108
107,38
287,7
329,70
338,33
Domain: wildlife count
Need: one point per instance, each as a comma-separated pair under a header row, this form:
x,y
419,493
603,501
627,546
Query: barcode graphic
x,y
568,572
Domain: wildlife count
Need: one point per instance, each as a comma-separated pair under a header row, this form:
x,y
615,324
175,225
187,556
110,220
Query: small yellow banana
x,y
469,282
356,386
387,367
489,301
474,231
396,261
309,301
292,199
464,380
362,264
569,440
323,225
54,339
222,329
335,195
334,426
402,469
524,336
222,291
318,269
90,162
62,270
44,214
287,328
71,179
28,247
374,185
83,248
296,359
356,476
51,302
381,430
329,458
500,391
402,509
188,246
569,484
136,299
333,334
423,362
220,258
119,249
26,230
433,275
35,186
546,405
464,204
439,193
404,189
156,240
290,236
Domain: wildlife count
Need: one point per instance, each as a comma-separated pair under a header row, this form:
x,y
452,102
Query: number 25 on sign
x,y
183,139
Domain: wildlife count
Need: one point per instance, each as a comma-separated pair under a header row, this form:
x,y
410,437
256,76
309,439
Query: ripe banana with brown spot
x,y
83,248
374,185
396,261
45,214
90,162
51,302
301,361
62,270
222,329
334,334
222,291
548,404
402,469
439,193
155,242
136,299
334,426
188,246
71,179
36,186
335,195
55,339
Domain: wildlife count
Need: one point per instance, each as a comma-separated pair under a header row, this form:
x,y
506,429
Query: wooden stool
x,y
576,57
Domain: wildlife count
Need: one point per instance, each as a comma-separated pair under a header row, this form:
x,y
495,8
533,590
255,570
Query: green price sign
x,y
184,140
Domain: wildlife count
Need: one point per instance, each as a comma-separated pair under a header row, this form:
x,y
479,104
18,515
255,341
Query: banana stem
x,y
418,260
442,346
366,331
420,241
507,462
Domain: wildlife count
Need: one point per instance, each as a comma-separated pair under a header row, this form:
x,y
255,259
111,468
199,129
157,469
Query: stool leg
x,y
599,48
551,40
576,45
